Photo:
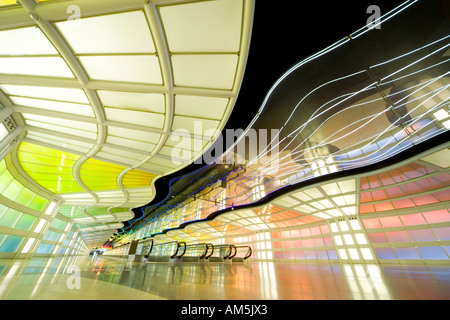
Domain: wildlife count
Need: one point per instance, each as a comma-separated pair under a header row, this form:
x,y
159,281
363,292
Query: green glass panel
x,y
10,218
45,248
58,224
25,222
95,211
51,236
2,209
11,244
25,197
38,203
72,212
5,180
13,190
2,166
2,237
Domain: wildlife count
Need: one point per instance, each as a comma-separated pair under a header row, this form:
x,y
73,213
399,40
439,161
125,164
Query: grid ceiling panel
x,y
113,85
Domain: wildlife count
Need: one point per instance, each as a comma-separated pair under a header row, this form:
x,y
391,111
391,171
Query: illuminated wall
x,y
29,223
396,215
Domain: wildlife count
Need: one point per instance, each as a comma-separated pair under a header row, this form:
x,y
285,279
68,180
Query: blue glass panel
x,y
433,253
407,253
385,253
11,244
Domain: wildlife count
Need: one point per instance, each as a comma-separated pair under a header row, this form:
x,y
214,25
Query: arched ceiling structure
x,y
99,94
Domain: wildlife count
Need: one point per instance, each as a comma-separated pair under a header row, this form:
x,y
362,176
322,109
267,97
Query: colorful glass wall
x,y
29,223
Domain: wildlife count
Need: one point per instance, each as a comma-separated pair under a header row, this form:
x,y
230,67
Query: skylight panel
x,y
201,107
76,128
147,119
125,133
63,107
133,100
134,144
185,26
206,71
114,33
3,131
25,41
59,94
196,126
35,66
133,69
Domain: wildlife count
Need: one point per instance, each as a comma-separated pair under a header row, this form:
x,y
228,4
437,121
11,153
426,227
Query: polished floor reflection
x,y
96,278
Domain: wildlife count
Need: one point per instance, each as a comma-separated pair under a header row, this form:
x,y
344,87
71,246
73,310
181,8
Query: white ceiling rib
x,y
86,91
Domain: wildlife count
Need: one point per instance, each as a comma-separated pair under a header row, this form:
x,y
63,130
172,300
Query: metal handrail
x,y
231,255
229,251
210,245
248,254
179,244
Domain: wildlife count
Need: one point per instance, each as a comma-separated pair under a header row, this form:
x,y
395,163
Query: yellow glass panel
x,y
137,178
7,2
50,168
100,175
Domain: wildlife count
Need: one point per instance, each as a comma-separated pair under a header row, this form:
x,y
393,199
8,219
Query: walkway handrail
x,y
179,244
150,250
231,255
209,245
249,251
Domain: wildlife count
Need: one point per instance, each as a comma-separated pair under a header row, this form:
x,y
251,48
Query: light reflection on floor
x,y
90,278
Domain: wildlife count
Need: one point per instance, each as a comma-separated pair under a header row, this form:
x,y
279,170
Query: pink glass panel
x,y
437,216
398,236
413,219
442,233
388,222
371,223
325,229
424,200
378,237
403,203
422,235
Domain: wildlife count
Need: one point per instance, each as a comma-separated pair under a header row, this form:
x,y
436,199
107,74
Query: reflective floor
x,y
95,278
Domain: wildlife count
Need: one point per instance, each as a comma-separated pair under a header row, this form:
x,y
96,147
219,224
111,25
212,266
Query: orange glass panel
x,y
366,208
379,195
403,203
395,192
384,206
386,179
374,182
366,197
364,183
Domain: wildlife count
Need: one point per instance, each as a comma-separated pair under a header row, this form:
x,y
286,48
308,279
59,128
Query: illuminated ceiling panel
x,y
50,168
114,85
